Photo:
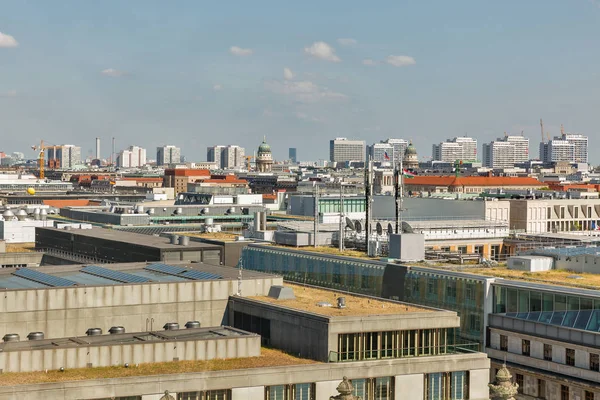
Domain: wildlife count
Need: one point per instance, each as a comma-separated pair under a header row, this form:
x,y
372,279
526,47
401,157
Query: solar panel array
x,y
114,275
182,272
45,279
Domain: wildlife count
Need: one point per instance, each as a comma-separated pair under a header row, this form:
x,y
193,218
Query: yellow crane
x,y
249,162
42,147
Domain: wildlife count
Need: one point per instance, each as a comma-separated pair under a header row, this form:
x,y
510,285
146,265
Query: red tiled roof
x,y
492,181
67,203
144,179
187,172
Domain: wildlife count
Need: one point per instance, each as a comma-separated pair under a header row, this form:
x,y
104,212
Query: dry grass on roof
x,y
308,297
331,251
20,247
212,235
554,277
268,358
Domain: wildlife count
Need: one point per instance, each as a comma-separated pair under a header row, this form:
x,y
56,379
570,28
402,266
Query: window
x,y
503,342
299,391
570,357
470,290
547,352
478,249
374,388
451,290
474,322
224,394
526,347
541,389
589,395
564,392
447,386
519,380
595,362
462,249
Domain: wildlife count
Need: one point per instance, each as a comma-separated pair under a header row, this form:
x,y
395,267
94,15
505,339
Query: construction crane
x,y
249,162
562,130
42,147
542,126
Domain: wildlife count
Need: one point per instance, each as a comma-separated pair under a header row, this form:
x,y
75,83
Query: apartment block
x,y
343,150
459,148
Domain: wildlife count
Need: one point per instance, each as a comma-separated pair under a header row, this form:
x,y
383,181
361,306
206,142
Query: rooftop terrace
x,y
268,358
307,299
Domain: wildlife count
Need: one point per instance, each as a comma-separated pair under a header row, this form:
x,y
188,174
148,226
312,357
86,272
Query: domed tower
x,y
264,158
410,159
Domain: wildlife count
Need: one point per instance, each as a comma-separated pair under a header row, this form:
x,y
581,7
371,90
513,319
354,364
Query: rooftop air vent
x,y
94,332
115,330
171,326
36,336
11,337
192,324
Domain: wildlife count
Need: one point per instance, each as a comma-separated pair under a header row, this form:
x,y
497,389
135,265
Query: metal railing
x,y
407,352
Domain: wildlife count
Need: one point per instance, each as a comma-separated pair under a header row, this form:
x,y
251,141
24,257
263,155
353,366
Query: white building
x,y
459,148
521,144
499,154
342,150
226,157
399,146
214,153
133,157
166,155
382,152
67,155
567,147
580,146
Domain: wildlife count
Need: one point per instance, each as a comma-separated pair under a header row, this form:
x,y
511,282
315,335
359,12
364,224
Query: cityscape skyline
x,y
371,81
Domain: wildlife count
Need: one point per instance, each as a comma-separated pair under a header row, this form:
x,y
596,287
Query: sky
x,y
198,73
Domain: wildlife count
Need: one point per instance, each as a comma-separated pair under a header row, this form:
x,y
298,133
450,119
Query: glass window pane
x,y
534,316
546,317
560,303
582,319
557,317
570,318
382,388
535,301
302,391
434,387
277,392
523,300
458,385
360,388
548,304
586,304
573,303
594,324
512,300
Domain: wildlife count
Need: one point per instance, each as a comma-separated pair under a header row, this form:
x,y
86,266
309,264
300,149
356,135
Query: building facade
x,y
343,150
459,148
133,157
66,155
227,157
499,154
411,158
166,155
399,146
264,157
293,155
381,152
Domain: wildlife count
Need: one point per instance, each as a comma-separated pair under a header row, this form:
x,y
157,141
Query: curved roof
x,y
264,147
410,149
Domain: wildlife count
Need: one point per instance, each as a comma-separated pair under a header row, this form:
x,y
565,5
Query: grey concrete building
x,y
343,150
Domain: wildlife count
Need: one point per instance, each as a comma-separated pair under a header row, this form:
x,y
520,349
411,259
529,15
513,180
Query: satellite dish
x,y
350,224
390,229
406,228
358,227
379,228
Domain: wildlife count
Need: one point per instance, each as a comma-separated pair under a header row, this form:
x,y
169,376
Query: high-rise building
x,y
580,146
342,150
499,154
166,155
567,147
226,157
381,152
399,146
459,148
292,155
66,156
132,157
521,147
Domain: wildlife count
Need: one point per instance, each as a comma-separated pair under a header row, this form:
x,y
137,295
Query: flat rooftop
x,y
268,358
182,334
308,299
115,274
138,239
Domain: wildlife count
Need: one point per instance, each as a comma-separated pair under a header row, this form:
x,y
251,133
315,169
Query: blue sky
x,y
196,73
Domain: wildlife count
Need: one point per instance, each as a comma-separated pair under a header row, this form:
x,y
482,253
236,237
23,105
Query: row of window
x,y
509,300
594,359
391,344
565,391
438,386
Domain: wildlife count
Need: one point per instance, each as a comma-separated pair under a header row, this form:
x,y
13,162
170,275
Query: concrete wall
x,y
21,231
62,312
132,353
249,382
29,259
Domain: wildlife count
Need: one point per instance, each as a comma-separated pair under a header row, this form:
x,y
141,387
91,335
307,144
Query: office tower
x,y
226,157
580,146
399,146
382,152
97,148
132,157
342,150
459,148
66,156
169,154
292,155
521,147
557,150
499,154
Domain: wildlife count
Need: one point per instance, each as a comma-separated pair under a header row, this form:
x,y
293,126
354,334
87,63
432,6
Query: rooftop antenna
x,y
562,130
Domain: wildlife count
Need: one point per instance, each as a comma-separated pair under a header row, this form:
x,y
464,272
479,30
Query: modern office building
x,y
381,152
226,157
499,154
64,156
567,147
344,150
293,155
399,146
459,148
133,157
166,155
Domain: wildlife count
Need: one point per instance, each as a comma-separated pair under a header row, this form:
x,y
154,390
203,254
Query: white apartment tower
x,y
399,146
378,152
226,157
567,147
521,144
67,155
499,154
342,150
133,157
459,148
166,155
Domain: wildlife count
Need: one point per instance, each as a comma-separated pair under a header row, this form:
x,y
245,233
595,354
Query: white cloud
x,y
288,74
368,61
217,87
238,51
115,73
7,41
347,42
323,51
304,91
400,61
